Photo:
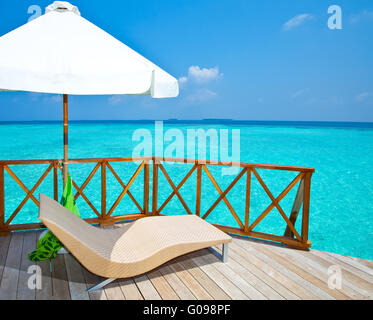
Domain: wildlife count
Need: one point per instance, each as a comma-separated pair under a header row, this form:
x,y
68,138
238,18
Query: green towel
x,y
48,246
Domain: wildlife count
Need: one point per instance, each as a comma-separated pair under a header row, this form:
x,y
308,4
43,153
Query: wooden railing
x,y
105,216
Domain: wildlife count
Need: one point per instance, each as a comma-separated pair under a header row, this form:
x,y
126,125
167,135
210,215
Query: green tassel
x,y
48,246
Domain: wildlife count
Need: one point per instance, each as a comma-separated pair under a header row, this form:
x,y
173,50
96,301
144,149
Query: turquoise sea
x,y
341,213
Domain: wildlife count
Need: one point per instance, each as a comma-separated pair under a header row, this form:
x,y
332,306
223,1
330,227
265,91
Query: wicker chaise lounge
x,y
133,249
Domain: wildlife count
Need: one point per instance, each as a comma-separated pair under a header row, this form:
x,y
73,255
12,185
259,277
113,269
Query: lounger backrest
x,y
52,214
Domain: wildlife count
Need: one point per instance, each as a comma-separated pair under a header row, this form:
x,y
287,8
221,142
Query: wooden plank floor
x,y
255,270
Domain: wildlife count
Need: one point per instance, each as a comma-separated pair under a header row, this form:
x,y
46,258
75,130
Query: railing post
x,y
103,190
199,189
55,180
248,192
3,229
146,189
295,209
155,188
306,207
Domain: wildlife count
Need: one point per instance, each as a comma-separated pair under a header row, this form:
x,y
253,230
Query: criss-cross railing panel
x,y
223,195
175,189
275,203
126,188
29,193
80,190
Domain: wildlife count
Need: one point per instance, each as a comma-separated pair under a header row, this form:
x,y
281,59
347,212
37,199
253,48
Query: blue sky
x,y
237,59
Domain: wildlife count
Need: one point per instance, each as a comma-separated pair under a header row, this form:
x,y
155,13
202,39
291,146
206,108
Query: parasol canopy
x,y
62,53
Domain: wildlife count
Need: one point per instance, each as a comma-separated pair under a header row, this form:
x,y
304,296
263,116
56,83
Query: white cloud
x,y
196,82
335,100
45,97
56,98
362,96
296,21
358,17
204,74
183,80
116,99
312,101
299,93
202,95
201,75
35,96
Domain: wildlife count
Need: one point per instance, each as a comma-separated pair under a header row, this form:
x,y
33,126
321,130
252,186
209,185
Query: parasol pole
x,y
65,138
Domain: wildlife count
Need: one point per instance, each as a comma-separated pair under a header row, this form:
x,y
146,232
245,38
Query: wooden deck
x,y
255,270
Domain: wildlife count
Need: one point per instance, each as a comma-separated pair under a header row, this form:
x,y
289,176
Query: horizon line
x,y
191,120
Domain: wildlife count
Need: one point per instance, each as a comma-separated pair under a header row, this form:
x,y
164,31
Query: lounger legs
x,y
225,252
224,255
100,285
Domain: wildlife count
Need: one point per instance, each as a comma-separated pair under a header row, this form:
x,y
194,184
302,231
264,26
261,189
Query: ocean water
x,y
341,209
